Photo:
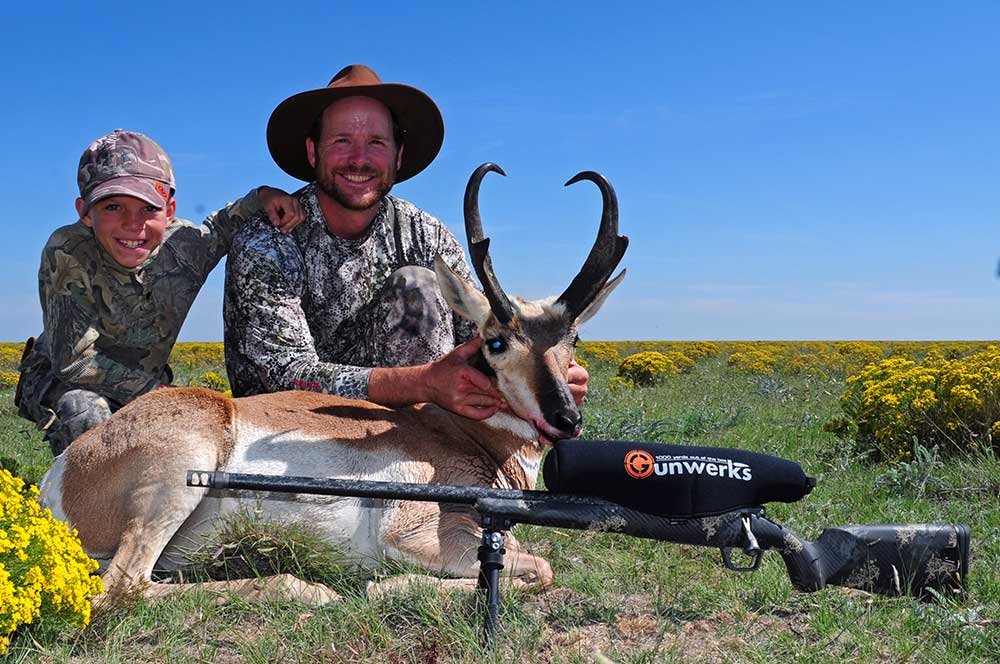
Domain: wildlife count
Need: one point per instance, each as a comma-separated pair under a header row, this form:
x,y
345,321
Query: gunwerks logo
x,y
641,464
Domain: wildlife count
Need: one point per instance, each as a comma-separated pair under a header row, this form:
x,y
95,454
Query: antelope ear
x,y
598,301
460,294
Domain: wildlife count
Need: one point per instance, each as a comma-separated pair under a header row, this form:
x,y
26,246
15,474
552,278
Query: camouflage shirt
x,y
290,298
110,329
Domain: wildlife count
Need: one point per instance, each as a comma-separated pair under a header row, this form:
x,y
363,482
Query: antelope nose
x,y
566,420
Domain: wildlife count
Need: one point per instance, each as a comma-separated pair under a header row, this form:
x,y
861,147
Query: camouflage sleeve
x,y
265,279
70,319
219,229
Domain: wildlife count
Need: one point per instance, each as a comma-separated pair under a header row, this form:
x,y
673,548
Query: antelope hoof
x,y
403,582
290,588
538,575
282,587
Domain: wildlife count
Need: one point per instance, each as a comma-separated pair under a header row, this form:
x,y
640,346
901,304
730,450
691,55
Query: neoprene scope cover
x,y
673,480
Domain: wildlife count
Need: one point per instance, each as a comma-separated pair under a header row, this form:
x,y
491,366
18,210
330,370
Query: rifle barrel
x,y
438,493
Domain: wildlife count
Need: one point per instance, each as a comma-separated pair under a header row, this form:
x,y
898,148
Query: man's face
x,y
356,157
128,228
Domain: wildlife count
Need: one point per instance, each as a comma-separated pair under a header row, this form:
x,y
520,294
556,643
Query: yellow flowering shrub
x,y
10,356
617,384
890,403
857,354
598,351
646,369
697,350
8,379
198,354
817,364
752,361
683,363
819,359
970,392
954,350
44,573
214,381
648,347
951,403
933,358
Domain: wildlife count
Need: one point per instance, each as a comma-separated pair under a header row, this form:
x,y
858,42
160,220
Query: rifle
x,y
701,496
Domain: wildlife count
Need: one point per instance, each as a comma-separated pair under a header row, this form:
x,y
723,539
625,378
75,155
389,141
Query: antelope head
x,y
529,345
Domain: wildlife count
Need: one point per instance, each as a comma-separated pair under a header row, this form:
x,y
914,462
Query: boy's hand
x,y
282,210
577,377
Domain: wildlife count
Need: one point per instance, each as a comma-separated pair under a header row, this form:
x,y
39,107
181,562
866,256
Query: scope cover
x,y
673,480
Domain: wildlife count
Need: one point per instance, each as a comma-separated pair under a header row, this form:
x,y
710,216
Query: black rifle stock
x,y
888,559
885,559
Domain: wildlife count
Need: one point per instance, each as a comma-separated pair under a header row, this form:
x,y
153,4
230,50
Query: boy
x,y
116,287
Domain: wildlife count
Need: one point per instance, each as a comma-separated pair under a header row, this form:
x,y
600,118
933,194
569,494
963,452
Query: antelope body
x,y
122,484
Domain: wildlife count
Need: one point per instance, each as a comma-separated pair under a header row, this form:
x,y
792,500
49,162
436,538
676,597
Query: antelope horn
x,y
479,247
607,252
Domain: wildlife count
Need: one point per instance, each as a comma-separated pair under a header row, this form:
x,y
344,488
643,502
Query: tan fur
x,y
446,539
312,412
118,458
124,481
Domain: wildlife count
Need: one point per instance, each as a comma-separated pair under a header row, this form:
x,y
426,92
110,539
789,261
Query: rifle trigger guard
x,y
751,548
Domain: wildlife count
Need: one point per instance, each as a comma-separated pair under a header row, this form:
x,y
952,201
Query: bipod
x,y
491,553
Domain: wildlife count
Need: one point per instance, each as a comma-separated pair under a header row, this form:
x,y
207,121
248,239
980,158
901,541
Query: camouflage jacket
x,y
288,298
110,329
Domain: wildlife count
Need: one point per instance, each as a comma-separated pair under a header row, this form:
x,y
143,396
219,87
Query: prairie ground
x,y
615,598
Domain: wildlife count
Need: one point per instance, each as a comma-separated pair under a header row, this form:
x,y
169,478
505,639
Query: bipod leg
x,y
491,553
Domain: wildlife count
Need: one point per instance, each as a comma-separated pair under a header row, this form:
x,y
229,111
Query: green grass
x,y
631,600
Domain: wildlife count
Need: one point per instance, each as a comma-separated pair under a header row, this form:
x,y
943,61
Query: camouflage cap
x,y
125,163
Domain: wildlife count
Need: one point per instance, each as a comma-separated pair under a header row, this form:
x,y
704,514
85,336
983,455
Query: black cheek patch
x,y
478,361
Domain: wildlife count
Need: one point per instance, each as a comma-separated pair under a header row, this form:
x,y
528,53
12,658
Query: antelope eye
x,y
496,345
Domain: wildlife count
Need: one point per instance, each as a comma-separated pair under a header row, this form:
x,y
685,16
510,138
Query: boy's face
x,y
128,228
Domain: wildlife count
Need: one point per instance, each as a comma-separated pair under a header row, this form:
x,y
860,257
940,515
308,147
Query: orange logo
x,y
162,190
639,464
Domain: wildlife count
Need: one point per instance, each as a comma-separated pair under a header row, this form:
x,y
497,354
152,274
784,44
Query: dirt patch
x,y
599,629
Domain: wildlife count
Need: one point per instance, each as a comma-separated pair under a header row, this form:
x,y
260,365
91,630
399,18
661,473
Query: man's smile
x,y
357,178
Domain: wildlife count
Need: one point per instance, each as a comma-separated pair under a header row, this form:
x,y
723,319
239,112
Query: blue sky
x,y
824,170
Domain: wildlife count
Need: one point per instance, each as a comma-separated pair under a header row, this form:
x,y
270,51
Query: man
x,y
348,302
116,286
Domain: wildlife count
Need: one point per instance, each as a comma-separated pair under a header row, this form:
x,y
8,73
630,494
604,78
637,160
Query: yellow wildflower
x,y
44,572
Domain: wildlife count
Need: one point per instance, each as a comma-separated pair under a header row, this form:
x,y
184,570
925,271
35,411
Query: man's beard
x,y
327,183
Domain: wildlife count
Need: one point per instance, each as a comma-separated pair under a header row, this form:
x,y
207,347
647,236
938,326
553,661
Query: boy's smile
x,y
128,228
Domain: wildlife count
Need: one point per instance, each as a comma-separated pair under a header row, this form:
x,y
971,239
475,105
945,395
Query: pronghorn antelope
x,y
122,484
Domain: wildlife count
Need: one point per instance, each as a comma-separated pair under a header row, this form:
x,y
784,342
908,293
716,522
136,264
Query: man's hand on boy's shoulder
x,y
283,211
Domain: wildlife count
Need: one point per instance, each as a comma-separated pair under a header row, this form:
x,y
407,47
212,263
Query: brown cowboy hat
x,y
417,114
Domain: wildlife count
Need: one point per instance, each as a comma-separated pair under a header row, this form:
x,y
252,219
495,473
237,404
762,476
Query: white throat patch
x,y
515,425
